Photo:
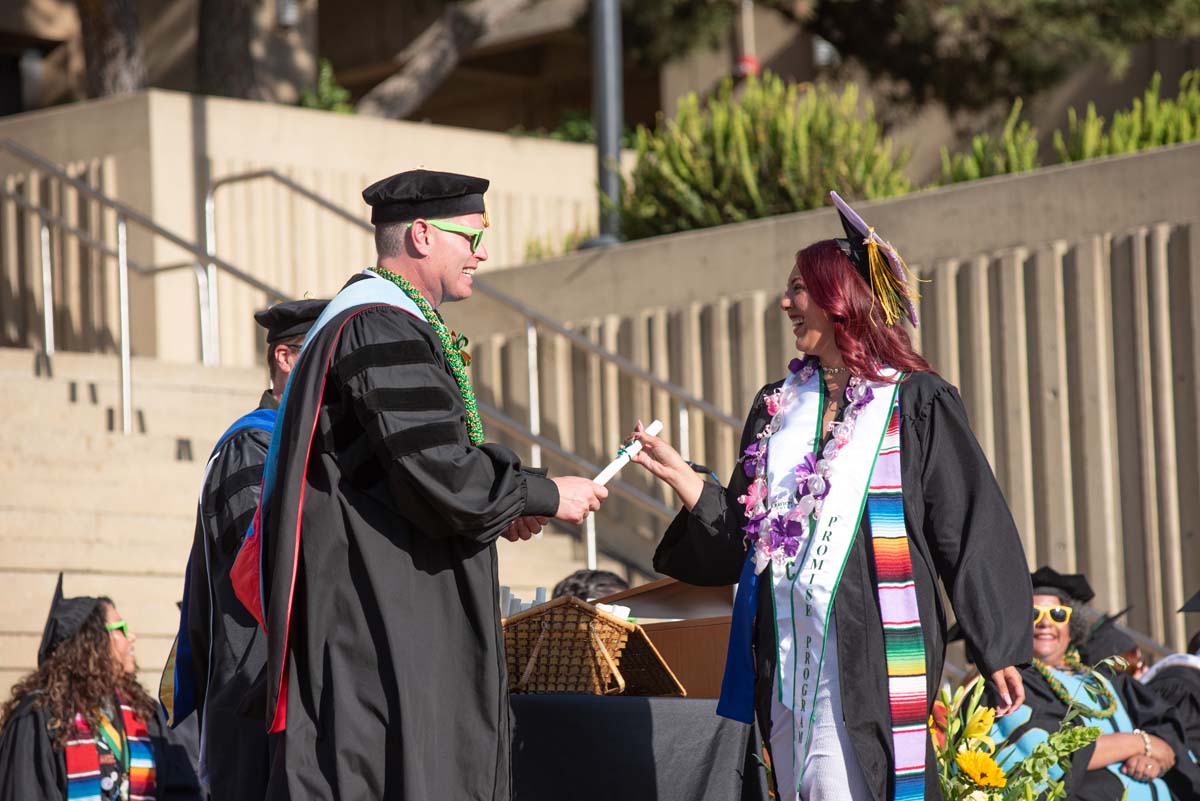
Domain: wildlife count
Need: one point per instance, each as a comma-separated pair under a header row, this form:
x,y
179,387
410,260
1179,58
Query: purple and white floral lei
x,y
773,534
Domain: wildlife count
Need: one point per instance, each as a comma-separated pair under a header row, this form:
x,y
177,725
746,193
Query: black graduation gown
x,y
32,769
959,529
1179,686
1146,711
235,744
380,575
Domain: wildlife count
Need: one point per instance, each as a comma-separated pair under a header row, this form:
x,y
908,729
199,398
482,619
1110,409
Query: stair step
x,y
18,362
147,602
50,540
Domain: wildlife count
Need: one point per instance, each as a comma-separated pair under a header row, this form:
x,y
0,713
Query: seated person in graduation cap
x,y
1106,639
1176,679
80,726
1140,753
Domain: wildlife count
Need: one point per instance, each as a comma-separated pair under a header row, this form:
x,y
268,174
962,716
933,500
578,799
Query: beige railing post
x,y
123,294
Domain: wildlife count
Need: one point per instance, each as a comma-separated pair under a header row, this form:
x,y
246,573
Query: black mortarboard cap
x,y
426,194
1106,640
1074,586
290,319
65,619
1193,605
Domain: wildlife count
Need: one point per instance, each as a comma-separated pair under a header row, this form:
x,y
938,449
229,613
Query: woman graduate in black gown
x,y
80,726
860,486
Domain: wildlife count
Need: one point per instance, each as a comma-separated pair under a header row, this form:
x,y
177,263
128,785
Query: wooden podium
x,y
689,626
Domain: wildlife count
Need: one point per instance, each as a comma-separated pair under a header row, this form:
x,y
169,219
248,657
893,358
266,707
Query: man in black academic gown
x,y
220,650
376,563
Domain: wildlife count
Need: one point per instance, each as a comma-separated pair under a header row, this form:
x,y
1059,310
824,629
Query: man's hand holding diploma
x,y
577,498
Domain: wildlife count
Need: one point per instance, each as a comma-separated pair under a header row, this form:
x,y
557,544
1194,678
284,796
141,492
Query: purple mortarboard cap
x,y
856,248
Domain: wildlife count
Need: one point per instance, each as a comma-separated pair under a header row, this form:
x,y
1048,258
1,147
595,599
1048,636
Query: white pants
x,y
831,770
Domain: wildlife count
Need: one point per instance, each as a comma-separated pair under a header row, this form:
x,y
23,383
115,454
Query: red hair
x,y
866,344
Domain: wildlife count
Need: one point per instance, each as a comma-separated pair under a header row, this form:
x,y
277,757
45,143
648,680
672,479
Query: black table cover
x,y
596,748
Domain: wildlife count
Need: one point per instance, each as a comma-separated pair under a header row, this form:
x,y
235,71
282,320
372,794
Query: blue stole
x,y
184,676
737,685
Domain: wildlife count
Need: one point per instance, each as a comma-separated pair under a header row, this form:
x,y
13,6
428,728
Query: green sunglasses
x,y
474,234
118,624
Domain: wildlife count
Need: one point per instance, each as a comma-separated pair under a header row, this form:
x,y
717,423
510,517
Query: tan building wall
x,y
1064,303
157,152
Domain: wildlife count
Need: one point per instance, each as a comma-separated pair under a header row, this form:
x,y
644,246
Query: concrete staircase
x,y
116,513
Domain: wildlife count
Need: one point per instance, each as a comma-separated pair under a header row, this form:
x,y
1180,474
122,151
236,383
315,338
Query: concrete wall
x,y
157,150
1064,303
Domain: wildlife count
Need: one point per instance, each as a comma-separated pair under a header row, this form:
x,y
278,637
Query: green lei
x,y
453,348
1073,665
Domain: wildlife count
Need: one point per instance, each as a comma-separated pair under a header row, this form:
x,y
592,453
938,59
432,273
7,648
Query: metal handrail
x,y
205,278
684,401
659,510
133,215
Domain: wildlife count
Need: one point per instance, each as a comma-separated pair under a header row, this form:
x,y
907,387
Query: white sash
x,y
803,592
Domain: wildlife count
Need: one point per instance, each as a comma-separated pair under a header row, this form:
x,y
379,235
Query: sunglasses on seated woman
x,y
1057,614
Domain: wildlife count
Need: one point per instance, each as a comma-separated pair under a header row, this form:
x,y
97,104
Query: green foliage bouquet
x,y
961,728
769,148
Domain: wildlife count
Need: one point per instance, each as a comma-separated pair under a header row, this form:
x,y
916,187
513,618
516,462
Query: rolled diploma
x,y
623,458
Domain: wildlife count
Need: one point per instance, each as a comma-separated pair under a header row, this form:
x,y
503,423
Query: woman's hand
x,y
1010,688
665,463
1161,752
1142,768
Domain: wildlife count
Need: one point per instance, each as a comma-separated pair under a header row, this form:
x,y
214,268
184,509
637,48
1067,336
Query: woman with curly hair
x,y
860,486
80,727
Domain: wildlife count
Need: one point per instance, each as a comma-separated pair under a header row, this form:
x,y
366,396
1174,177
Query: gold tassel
x,y
886,287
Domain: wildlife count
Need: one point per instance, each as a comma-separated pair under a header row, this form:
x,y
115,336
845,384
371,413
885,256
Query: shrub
x,y
1151,122
551,247
329,95
1015,150
773,149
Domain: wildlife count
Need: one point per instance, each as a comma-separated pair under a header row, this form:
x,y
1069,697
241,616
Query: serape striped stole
x,y
904,644
83,760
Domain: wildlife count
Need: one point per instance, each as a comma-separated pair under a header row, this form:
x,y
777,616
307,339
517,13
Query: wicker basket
x,y
568,646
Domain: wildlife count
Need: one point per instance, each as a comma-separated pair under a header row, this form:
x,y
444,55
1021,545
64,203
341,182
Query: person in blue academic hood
x,y
220,651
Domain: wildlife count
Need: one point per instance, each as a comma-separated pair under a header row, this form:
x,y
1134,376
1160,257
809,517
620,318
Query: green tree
x,y
970,53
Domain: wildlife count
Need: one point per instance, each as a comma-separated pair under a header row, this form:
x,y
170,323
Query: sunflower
x,y
981,768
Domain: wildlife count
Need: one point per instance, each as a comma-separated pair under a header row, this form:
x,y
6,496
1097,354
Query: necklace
x,y
835,370
1073,665
452,345
775,535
